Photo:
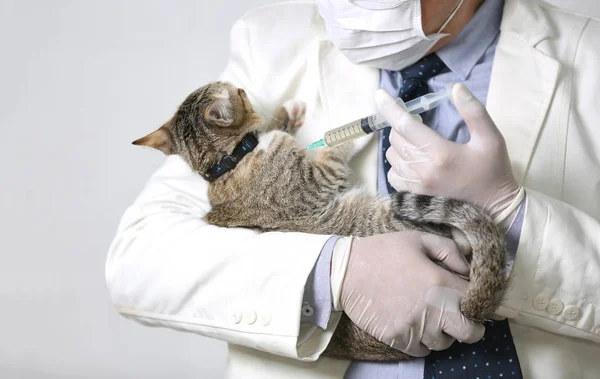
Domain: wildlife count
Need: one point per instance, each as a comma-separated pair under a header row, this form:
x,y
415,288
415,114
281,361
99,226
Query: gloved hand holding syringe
x,y
373,123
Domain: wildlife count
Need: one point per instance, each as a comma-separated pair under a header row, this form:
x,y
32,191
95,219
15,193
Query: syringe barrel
x,y
347,133
373,123
354,130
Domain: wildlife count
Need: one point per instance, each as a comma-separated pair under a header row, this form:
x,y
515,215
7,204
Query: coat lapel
x,y
523,81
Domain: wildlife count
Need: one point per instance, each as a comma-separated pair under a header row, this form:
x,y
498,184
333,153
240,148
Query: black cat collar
x,y
228,162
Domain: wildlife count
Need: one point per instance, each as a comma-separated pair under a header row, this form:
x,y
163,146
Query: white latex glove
x,y
424,162
394,290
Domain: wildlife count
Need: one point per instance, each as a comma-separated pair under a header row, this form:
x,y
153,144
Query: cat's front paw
x,y
296,112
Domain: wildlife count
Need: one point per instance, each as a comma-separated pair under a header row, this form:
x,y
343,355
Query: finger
x,y
446,251
409,342
463,329
402,157
401,103
452,321
473,112
401,176
414,349
435,339
402,182
414,131
407,151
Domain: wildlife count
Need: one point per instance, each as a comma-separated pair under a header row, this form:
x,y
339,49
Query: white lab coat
x,y
589,8
167,267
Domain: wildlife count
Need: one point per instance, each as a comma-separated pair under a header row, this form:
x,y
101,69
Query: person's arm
x,y
555,283
168,267
559,249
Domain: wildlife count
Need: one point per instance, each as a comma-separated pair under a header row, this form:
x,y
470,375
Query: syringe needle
x,y
314,145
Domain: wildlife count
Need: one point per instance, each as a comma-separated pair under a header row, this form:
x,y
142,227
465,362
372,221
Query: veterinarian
x,y
533,162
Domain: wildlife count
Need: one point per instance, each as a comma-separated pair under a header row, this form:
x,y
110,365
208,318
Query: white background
x,y
80,80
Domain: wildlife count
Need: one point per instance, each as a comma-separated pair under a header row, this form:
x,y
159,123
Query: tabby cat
x,y
279,187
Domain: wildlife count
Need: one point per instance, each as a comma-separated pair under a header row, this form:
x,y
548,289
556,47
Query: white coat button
x,y
555,307
264,319
571,313
250,317
307,310
236,317
541,302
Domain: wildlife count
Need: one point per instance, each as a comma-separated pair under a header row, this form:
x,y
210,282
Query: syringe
x,y
373,123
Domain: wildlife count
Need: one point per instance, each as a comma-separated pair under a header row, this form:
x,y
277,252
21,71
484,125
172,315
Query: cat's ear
x,y
160,139
220,111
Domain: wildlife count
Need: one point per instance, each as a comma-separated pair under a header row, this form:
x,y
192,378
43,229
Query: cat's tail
x,y
488,276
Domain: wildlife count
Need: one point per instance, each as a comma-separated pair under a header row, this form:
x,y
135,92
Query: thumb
x,y
386,102
477,118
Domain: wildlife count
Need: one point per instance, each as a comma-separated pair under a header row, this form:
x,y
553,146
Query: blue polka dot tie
x,y
495,355
414,84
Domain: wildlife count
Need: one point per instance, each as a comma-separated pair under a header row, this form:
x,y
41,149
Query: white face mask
x,y
386,34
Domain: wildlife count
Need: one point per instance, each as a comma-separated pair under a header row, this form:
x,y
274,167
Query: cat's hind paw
x,y
296,112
